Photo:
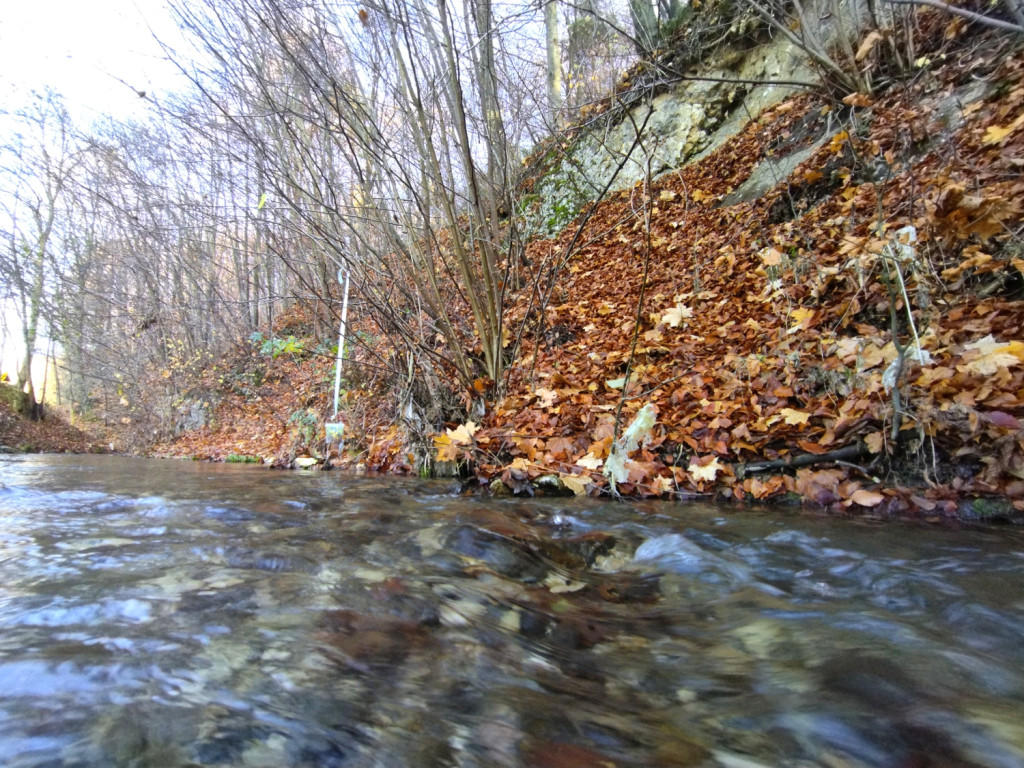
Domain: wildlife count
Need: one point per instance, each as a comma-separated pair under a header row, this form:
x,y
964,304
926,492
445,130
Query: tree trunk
x,y
645,26
554,63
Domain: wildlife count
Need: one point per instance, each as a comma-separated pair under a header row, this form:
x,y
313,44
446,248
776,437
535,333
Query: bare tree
x,y
382,136
38,165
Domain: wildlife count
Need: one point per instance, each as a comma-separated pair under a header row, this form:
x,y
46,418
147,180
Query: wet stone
x,y
506,556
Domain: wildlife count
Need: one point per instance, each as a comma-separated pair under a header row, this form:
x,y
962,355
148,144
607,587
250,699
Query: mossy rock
x,y
15,399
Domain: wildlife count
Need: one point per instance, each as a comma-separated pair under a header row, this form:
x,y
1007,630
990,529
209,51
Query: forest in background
x,y
189,264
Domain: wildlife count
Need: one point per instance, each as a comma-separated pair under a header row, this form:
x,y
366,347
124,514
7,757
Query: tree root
x,y
843,454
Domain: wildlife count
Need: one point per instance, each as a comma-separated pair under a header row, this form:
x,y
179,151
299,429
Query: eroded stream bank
x,y
172,614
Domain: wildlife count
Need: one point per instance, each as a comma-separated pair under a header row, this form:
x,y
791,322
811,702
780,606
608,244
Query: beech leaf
x,y
866,498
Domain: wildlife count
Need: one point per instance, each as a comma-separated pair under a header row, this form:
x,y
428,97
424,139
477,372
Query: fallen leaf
x,y
463,434
663,485
802,317
814,448
922,503
547,396
1003,419
676,315
702,469
793,416
994,355
859,99
867,498
771,257
578,484
446,450
996,133
590,461
869,43
838,141
875,442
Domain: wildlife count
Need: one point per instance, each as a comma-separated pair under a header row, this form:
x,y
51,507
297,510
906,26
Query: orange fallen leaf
x,y
866,498
875,442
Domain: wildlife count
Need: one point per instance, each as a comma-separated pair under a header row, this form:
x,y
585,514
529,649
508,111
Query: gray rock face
x,y
684,124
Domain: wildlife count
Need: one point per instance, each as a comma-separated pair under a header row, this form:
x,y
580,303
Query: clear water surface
x,y
176,614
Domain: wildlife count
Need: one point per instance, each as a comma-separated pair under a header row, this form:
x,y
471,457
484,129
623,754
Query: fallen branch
x,y
803,460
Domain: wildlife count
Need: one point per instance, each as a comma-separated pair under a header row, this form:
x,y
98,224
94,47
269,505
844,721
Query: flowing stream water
x,y
159,613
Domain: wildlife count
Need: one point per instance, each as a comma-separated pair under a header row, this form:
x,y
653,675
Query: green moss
x,y
235,458
14,398
988,508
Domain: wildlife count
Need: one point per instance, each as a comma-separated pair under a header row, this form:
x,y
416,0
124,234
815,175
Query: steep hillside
x,y
826,307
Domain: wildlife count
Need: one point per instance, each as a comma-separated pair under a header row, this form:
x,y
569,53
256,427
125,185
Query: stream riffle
x,y
176,614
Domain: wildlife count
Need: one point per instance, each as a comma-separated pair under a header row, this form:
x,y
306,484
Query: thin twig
x,y
965,14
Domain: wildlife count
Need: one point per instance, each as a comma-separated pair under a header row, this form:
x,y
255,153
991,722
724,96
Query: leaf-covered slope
x,y
766,328
852,336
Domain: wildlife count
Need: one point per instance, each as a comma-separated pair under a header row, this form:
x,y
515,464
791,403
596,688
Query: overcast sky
x,y
82,49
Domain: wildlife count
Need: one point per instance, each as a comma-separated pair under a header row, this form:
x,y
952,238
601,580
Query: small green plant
x,y
326,349
237,458
275,347
306,423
